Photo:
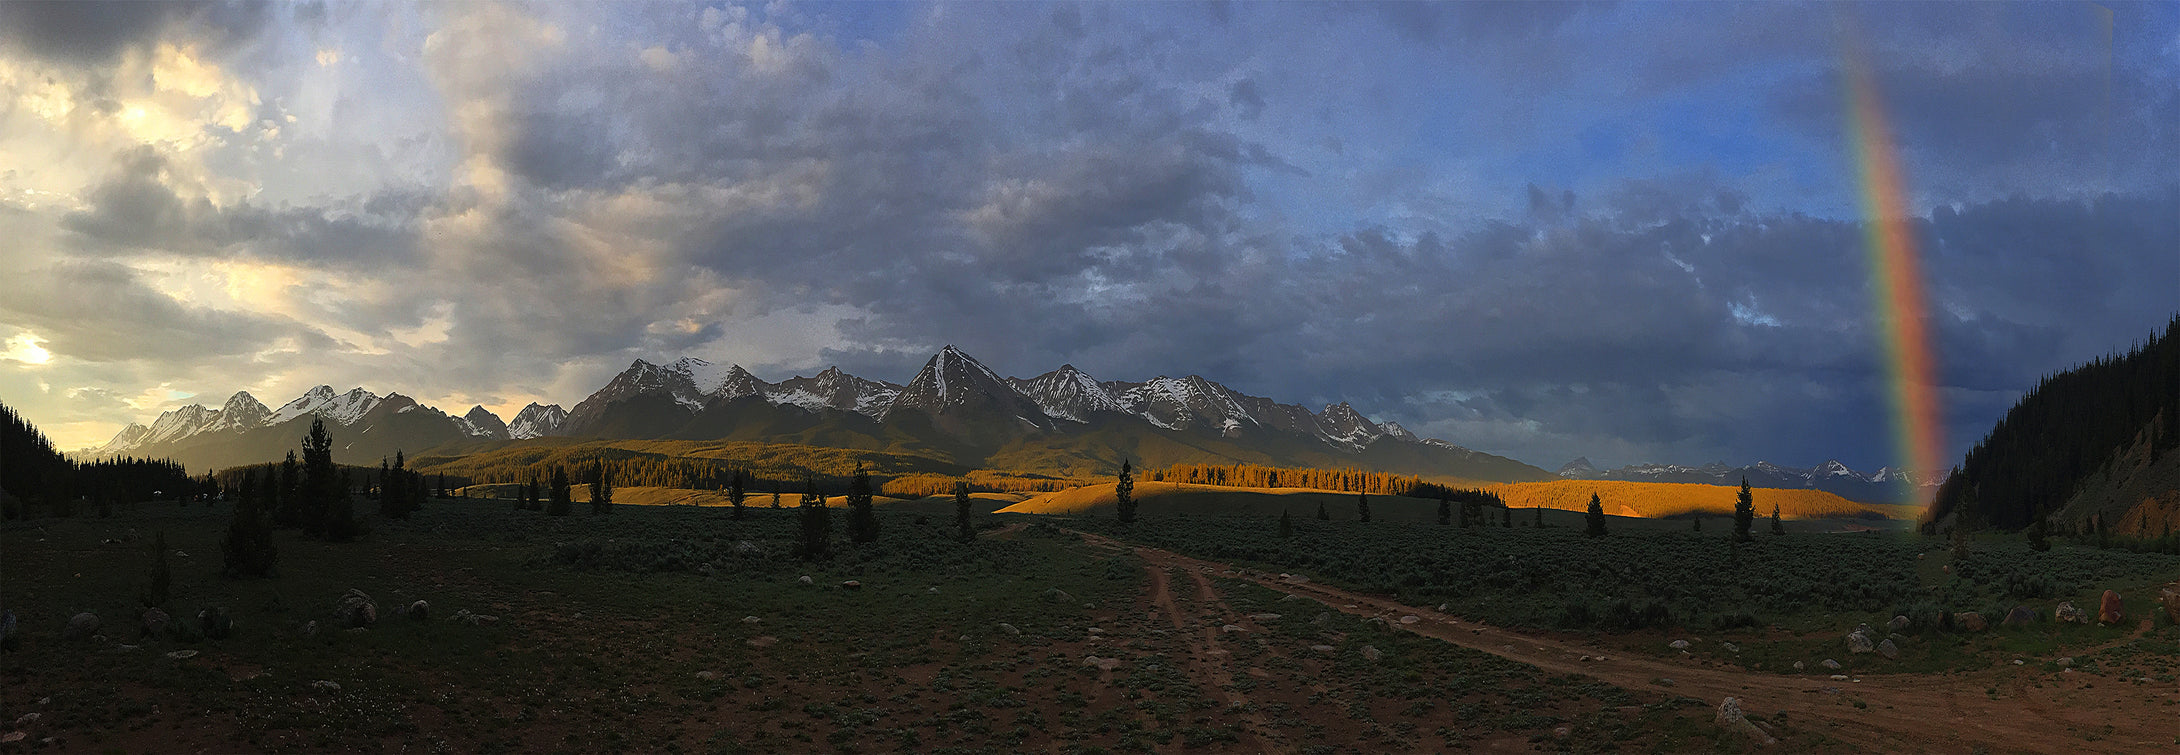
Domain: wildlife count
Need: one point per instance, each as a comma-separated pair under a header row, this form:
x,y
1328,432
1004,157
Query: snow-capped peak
x,y
1346,426
341,408
1068,393
707,377
536,421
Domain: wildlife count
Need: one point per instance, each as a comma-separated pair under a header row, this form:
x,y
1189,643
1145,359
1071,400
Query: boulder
x,y
1830,664
763,641
355,610
157,623
1322,620
1101,664
1678,645
1888,650
805,579
1410,619
80,626
418,611
1323,649
1009,628
2068,614
1857,642
1798,665
310,628
1264,617
1371,653
1898,624
2110,609
2020,616
1970,621
1733,720
851,585
1057,595
215,624
2169,597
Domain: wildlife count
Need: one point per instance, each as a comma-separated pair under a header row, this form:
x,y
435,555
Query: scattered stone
x,y
1410,619
1290,597
474,619
763,641
1730,647
1663,682
418,611
27,719
2110,609
1857,642
13,737
2169,596
2020,616
1970,621
179,554
1442,607
80,626
2068,614
2018,661
1231,628
851,585
1732,719
1322,619
1563,732
326,685
1898,624
1678,645
1101,664
805,579
214,623
123,648
1057,595
964,638
1839,677
747,548
181,654
1295,578
1325,649
2067,662
1888,650
355,610
1371,653
751,620
1009,628
1830,664
1585,659
310,628
933,591
157,622
1798,665
1264,617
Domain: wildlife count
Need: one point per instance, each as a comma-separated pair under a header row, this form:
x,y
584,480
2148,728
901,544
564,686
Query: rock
x,y
157,623
2169,597
707,675
747,548
1290,597
181,654
1231,628
1830,664
1733,720
1009,628
326,685
805,579
1678,645
1371,653
1057,595
851,585
1322,619
1410,619
763,641
1888,650
1857,642
933,591
2020,616
214,623
2110,609
1730,647
2068,614
310,628
13,737
1970,621
1101,664
2067,662
1798,665
1839,677
27,719
1442,607
418,611
1264,617
1324,649
355,610
80,626
751,620
1898,624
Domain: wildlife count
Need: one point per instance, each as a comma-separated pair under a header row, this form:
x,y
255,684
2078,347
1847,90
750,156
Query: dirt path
x,y
1893,713
1206,659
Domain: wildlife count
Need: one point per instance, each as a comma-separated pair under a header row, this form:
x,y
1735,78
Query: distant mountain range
x,y
1885,485
1063,422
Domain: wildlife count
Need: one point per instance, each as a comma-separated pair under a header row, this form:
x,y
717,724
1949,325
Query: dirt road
x,y
2030,710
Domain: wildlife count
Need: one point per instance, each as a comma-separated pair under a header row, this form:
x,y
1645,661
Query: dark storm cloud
x,y
135,210
91,34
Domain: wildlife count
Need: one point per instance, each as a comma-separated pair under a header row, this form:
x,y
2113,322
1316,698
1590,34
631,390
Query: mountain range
x,y
1063,422
1884,485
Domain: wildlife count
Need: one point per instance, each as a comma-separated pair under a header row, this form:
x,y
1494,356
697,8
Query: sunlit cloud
x,y
24,348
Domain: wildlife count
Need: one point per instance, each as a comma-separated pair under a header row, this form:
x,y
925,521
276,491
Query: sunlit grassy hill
x,y
1664,499
1166,499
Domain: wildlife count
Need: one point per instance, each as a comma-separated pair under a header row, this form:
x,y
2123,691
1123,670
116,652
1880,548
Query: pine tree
x,y
319,482
1699,522
817,524
735,493
1322,515
862,521
2039,535
1596,519
1744,513
1445,508
961,511
601,490
391,491
1506,517
248,547
1286,524
290,512
340,511
1124,493
1540,516
563,495
1777,527
775,498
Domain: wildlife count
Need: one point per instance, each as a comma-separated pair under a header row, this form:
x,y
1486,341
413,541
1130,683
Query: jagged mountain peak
x,y
1579,469
537,421
1068,393
953,382
833,388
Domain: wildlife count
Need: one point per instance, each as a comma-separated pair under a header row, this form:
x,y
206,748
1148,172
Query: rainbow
x,y
1896,281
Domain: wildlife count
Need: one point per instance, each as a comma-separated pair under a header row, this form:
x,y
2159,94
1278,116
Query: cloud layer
x,y
1543,230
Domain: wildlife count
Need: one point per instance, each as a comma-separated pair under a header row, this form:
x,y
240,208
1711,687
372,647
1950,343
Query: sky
x,y
1631,232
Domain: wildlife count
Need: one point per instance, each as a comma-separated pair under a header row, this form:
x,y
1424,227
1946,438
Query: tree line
x,y
36,479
